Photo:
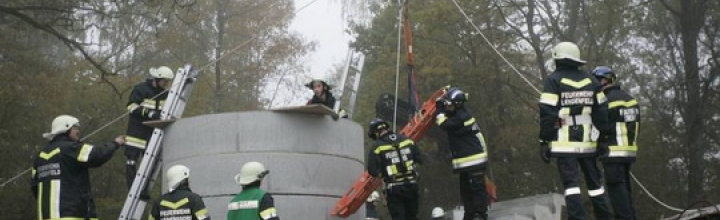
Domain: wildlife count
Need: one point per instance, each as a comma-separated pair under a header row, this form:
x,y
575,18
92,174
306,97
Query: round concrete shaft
x,y
313,160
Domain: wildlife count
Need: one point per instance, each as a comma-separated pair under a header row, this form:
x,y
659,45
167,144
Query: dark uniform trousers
x,y
617,176
473,195
403,201
570,176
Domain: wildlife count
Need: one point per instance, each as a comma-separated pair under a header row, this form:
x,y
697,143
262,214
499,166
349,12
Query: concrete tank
x,y
313,159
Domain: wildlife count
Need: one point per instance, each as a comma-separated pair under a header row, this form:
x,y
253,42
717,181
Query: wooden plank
x,y
159,123
315,109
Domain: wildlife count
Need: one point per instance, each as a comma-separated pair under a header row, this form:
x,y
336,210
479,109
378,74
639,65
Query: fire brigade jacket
x,y
571,106
394,157
181,203
624,116
329,100
467,143
142,101
60,178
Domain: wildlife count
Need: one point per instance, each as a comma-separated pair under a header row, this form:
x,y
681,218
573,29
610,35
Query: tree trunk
x,y
691,20
220,24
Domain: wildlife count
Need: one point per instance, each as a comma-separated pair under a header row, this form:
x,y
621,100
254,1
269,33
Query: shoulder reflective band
x,y
47,156
615,104
174,205
576,84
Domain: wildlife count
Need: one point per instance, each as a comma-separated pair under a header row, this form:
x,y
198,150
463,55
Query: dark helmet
x,y
604,72
455,96
375,126
325,85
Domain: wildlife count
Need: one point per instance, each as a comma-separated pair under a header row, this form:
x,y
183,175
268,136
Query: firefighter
x,y
321,93
468,149
145,103
180,202
437,214
624,115
252,202
60,173
571,106
395,158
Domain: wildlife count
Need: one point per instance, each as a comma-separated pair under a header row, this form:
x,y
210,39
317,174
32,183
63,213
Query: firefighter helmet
x,y
567,51
61,124
455,96
175,175
326,86
375,126
162,72
437,212
250,173
604,72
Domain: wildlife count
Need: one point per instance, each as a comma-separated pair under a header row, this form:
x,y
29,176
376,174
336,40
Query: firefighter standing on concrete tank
x,y
571,105
180,202
252,203
624,116
469,152
394,157
145,103
60,174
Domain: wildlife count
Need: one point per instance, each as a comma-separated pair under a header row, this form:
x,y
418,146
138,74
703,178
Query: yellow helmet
x,y
567,50
162,72
175,175
61,124
251,172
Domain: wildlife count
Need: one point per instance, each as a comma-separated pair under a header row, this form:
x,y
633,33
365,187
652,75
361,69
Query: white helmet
x,y
374,196
438,212
175,175
250,172
567,50
162,72
61,124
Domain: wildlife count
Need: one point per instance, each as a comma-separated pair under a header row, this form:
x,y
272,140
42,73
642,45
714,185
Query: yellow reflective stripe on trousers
x,y
201,214
596,192
549,99
54,199
471,160
84,154
469,122
572,147
572,191
135,142
268,213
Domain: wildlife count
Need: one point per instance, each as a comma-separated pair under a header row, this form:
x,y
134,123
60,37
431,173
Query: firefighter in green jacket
x,y
252,203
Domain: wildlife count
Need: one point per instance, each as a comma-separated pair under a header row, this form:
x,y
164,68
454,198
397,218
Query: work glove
x,y
154,114
545,151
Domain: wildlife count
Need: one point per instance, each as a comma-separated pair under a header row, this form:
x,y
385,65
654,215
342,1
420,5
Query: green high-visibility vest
x,y
246,205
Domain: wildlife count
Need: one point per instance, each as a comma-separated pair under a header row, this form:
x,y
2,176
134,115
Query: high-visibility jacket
x,y
143,98
571,106
467,143
181,203
624,116
252,204
61,181
394,157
